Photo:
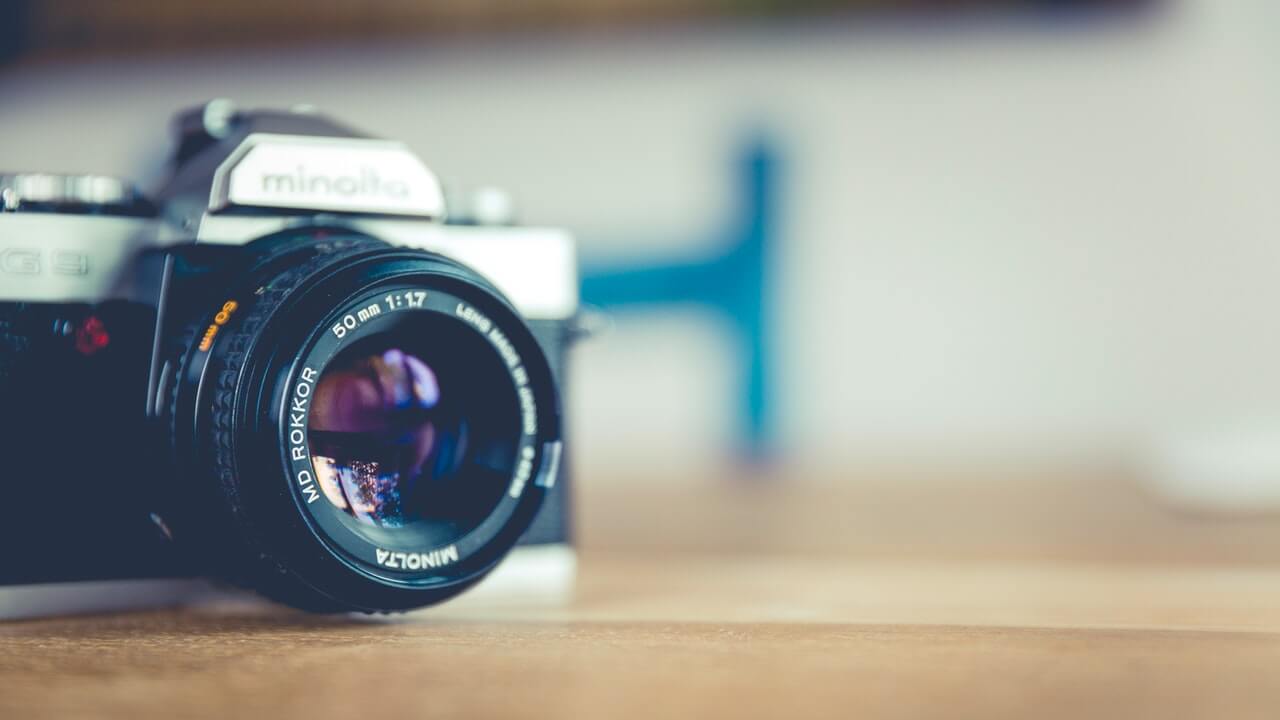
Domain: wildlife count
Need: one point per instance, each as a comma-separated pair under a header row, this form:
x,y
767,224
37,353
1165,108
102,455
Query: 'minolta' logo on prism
x,y
365,183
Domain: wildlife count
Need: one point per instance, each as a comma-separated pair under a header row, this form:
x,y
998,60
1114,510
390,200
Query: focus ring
x,y
253,564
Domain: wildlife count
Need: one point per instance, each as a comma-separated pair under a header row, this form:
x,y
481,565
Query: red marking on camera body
x,y
92,336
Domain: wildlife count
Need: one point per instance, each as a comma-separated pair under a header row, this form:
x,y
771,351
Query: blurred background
x,y
894,279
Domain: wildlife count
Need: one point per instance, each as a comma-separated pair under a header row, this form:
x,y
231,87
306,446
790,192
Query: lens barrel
x,y
364,427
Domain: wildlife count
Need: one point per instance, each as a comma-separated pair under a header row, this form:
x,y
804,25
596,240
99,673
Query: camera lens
x,y
413,432
375,427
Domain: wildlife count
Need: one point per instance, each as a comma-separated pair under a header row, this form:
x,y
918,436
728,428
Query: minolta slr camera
x,y
289,367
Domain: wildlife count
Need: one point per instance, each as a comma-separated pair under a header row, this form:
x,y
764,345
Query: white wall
x,y
1002,238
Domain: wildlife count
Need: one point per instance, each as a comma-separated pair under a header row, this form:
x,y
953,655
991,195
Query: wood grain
x,y
697,637
684,627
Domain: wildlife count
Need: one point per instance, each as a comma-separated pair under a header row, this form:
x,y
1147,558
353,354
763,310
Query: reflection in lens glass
x,y
379,407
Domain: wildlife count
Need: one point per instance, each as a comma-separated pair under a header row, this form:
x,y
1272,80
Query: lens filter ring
x,y
412,431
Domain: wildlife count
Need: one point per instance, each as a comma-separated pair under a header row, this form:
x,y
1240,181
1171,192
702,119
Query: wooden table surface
x,y
708,633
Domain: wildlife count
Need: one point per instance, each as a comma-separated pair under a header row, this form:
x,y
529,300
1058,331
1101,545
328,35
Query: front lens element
x,y
414,431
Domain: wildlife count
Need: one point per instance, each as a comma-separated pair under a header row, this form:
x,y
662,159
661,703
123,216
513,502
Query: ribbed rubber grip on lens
x,y
238,546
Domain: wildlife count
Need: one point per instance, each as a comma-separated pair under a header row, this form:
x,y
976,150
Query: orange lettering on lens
x,y
223,316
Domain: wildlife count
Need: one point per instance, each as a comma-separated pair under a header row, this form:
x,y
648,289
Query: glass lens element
x,y
413,432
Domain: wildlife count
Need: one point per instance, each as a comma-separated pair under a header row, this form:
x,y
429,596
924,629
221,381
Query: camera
x,y
289,367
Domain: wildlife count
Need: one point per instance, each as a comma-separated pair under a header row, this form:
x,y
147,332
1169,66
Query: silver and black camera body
x,y
290,369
